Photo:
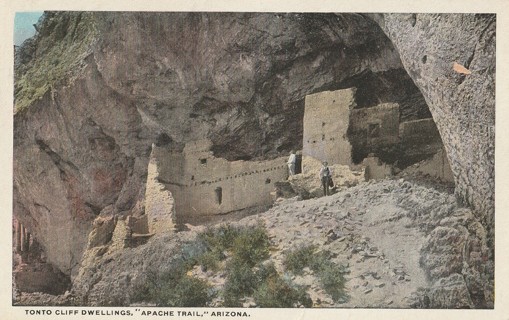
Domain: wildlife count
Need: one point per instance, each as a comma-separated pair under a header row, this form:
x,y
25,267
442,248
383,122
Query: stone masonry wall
x,y
336,132
373,129
159,202
378,124
419,131
208,186
326,120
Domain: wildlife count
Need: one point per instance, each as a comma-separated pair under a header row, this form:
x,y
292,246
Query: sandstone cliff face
x,y
462,105
95,90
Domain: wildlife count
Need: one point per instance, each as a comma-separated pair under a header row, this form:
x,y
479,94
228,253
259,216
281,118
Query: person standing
x,y
298,162
325,176
291,163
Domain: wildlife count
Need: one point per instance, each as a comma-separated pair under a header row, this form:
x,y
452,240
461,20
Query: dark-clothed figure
x,y
298,162
325,176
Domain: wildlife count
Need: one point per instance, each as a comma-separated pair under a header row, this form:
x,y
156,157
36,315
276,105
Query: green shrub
x,y
219,239
332,279
298,259
266,286
240,282
251,246
248,245
246,275
217,242
188,292
330,274
264,271
55,60
190,253
173,289
274,292
209,260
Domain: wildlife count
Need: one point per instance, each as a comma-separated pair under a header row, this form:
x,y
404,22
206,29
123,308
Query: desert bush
x,y
173,288
298,259
247,245
209,260
219,239
277,293
217,242
331,277
251,246
190,253
266,286
246,273
330,274
240,282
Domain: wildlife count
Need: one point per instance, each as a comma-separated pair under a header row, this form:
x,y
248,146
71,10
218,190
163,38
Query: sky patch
x,y
24,25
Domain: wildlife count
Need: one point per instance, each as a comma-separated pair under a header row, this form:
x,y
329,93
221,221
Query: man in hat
x,y
325,176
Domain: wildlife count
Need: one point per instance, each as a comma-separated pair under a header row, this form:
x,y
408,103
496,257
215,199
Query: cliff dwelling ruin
x,y
148,125
338,131
334,130
203,185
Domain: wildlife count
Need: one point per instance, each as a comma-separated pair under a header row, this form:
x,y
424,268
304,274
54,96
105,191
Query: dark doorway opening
x,y
219,195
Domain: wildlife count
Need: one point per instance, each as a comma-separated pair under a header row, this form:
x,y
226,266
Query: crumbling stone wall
x,y
337,131
159,202
373,129
378,124
419,131
437,167
326,121
202,184
419,140
375,169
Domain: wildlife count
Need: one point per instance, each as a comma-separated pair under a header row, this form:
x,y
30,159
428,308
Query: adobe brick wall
x,y
202,184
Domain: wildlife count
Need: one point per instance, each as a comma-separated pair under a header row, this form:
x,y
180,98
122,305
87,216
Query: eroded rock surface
x,y
462,103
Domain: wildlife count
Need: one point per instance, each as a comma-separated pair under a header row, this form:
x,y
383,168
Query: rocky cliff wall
x,y
78,152
462,101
